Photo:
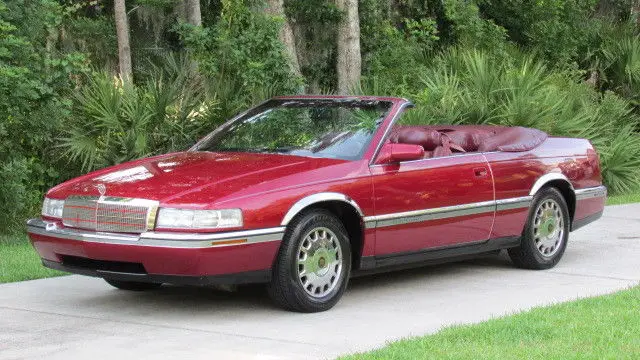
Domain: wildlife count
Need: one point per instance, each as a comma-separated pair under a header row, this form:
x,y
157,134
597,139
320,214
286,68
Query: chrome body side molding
x,y
317,198
513,203
592,192
544,179
446,212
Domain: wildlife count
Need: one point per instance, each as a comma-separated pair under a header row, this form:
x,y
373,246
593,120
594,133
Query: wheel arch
x,y
562,184
344,208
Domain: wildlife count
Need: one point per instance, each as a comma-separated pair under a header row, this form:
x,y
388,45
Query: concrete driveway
x,y
76,317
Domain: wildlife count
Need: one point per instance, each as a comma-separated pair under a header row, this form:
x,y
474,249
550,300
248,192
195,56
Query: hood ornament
x,y
102,189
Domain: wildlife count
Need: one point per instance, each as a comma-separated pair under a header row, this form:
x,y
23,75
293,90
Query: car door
x,y
432,203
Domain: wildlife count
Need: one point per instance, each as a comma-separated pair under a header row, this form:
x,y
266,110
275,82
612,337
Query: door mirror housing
x,y
393,153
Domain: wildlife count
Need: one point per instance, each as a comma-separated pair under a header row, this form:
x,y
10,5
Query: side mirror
x,y
392,153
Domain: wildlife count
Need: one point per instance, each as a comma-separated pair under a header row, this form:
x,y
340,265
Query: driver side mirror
x,y
393,153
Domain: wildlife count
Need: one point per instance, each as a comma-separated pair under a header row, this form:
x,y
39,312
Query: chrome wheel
x,y
319,262
548,228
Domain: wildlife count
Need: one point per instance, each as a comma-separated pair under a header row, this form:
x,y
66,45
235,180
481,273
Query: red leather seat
x,y
470,139
429,139
439,140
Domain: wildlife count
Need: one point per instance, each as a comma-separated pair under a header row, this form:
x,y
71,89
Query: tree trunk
x,y
349,60
122,30
635,11
276,8
193,15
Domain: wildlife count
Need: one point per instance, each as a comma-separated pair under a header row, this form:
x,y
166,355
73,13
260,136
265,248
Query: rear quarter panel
x,y
515,174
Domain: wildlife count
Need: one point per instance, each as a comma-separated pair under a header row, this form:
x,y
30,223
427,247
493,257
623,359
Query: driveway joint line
x,y
594,276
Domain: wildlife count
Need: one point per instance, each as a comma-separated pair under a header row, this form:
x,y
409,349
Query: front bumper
x,y
181,258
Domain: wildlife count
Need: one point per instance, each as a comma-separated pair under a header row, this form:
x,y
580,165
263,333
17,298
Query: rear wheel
x,y
546,232
313,264
132,285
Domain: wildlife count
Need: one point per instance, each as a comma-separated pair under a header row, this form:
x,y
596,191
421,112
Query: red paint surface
x,y
431,183
266,186
165,261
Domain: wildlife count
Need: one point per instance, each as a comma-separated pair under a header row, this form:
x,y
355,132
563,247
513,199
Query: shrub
x,y
556,28
242,47
117,121
35,80
475,87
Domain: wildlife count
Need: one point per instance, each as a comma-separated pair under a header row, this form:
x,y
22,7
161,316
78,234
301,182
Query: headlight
x,y
198,219
52,208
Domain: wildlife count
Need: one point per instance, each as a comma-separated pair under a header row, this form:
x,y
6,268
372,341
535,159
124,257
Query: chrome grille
x,y
109,214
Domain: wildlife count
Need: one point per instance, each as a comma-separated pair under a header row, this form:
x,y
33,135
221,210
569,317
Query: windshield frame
x,y
388,103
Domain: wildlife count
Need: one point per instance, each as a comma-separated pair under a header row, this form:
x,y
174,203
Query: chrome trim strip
x,y
513,203
396,116
157,239
592,192
446,212
542,180
431,214
316,198
369,224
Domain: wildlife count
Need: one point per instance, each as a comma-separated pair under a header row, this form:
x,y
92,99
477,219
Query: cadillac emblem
x,y
102,189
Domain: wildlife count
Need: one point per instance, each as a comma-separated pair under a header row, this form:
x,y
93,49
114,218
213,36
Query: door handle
x,y
480,172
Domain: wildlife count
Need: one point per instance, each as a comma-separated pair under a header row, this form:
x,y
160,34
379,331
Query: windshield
x,y
337,129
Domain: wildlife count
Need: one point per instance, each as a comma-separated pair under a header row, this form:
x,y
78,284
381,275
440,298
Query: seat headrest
x,y
469,139
428,139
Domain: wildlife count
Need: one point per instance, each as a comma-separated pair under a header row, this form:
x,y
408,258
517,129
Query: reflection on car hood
x,y
169,178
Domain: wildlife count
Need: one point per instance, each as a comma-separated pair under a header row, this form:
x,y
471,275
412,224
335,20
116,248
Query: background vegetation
x,y
68,104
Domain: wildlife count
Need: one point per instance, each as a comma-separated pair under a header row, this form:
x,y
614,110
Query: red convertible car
x,y
302,193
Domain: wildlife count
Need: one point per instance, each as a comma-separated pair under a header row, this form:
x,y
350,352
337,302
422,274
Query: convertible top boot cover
x,y
514,139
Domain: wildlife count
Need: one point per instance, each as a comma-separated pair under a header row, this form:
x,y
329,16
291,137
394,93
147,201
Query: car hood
x,y
179,177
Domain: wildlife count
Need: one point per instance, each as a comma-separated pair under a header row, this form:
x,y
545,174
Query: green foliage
x,y
34,81
474,87
242,47
316,22
556,28
395,48
116,121
618,63
470,29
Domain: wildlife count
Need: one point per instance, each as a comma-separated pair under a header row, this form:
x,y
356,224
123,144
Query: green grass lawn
x,y
19,261
606,327
623,199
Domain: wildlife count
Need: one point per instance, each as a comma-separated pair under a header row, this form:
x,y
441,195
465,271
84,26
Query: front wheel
x,y
313,264
132,285
546,232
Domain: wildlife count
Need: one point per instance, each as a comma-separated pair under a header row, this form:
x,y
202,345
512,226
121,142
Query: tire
x,y
546,232
313,265
132,285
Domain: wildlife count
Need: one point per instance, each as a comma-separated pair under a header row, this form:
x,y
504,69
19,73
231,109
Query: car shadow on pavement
x,y
397,277
211,299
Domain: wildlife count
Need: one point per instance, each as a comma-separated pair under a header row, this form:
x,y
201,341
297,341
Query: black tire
x,y
286,288
132,285
528,255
